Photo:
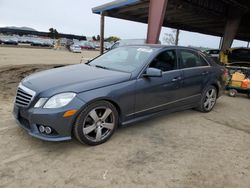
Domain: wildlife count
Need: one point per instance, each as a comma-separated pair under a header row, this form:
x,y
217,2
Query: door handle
x,y
176,79
205,73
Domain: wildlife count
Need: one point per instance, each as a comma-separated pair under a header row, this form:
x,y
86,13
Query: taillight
x,y
225,75
225,71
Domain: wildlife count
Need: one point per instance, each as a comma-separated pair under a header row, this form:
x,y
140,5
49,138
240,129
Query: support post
x,y
221,39
156,16
177,37
102,33
231,28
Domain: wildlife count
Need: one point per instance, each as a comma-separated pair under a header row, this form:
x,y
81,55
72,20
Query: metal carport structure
x,y
225,18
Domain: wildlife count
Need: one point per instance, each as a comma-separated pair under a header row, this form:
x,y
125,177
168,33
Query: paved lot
x,y
184,149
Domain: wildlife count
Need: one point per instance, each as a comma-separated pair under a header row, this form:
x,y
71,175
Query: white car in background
x,y
214,53
10,40
75,48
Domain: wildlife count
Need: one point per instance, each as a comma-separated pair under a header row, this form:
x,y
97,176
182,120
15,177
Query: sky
x,y
76,17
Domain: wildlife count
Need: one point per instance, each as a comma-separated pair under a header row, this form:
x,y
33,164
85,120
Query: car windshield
x,y
125,59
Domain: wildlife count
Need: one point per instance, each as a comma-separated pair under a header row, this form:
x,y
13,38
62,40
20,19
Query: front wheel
x,y
96,123
208,99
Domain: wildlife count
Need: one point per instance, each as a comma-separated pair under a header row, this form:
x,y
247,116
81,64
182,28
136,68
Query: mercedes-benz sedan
x,y
125,85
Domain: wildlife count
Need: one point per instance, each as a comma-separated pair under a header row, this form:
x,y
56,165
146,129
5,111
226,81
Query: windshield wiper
x,y
102,67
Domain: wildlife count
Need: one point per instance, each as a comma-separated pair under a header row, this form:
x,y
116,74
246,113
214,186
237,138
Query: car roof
x,y
161,46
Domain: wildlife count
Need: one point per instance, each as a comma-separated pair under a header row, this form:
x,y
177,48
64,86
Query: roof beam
x,y
231,28
133,8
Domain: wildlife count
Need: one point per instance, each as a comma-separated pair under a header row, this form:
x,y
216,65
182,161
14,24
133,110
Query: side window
x,y
165,61
202,61
191,59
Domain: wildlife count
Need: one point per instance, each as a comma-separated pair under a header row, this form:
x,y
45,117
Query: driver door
x,y
158,93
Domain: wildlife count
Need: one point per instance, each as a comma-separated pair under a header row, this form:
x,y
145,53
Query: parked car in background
x,y
48,42
63,41
108,45
120,87
23,39
42,42
75,48
86,45
10,40
214,53
97,44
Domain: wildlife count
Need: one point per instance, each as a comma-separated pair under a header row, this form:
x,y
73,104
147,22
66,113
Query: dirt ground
x,y
184,149
20,56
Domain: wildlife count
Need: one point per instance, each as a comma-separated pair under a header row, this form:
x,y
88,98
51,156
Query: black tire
x,y
204,99
232,92
85,118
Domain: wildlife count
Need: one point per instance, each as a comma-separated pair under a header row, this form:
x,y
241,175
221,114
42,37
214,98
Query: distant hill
x,y
20,28
12,30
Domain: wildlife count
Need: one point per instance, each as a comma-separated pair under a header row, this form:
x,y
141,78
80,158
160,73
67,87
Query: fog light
x,y
41,128
48,130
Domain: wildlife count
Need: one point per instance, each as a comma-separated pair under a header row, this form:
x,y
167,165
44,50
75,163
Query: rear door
x,y
196,71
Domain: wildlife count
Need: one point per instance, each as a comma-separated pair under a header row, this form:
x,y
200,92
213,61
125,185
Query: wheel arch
x,y
97,100
217,88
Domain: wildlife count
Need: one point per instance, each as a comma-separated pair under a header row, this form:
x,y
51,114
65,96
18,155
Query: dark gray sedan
x,y
125,85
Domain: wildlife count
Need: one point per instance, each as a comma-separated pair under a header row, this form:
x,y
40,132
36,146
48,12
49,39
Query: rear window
x,y
191,59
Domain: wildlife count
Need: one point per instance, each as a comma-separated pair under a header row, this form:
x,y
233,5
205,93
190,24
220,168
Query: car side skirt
x,y
157,114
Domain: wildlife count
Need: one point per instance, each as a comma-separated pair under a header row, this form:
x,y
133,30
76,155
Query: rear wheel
x,y
208,99
96,123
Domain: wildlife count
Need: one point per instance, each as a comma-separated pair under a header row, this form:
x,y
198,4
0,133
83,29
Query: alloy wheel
x,y
98,124
210,99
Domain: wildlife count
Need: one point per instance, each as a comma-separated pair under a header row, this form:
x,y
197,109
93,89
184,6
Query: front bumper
x,y
31,118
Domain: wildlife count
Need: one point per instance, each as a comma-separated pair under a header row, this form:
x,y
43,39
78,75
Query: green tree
x,y
98,38
56,34
172,38
53,33
94,38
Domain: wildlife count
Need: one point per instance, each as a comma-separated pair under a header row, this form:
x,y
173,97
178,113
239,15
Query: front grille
x,y
24,96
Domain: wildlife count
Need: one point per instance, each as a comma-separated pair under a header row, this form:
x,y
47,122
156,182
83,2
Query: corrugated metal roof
x,y
203,16
113,5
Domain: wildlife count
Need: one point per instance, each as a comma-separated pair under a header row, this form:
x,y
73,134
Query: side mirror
x,y
153,72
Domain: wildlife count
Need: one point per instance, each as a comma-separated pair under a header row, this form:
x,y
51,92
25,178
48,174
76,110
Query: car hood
x,y
73,78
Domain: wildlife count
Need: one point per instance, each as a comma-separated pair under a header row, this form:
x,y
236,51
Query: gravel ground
x,y
184,149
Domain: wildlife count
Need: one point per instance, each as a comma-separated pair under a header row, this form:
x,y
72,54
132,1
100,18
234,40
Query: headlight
x,y
59,100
